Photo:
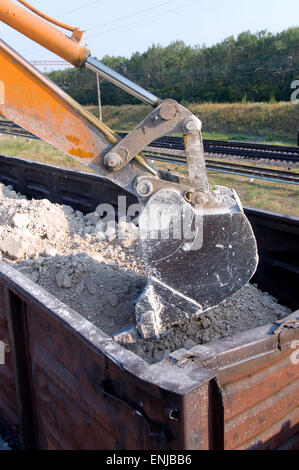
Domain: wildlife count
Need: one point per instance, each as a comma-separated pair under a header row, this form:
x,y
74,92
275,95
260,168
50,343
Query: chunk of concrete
x,y
14,247
20,220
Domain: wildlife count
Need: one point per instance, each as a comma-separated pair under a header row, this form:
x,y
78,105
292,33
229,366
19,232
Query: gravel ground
x,y
97,269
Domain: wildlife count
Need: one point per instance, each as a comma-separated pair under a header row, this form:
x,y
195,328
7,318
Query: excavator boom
x,y
34,102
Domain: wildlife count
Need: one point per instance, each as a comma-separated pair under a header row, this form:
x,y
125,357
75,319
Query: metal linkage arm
x,y
168,118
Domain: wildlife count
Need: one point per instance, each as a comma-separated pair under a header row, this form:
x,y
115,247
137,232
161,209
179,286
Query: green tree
x,y
259,66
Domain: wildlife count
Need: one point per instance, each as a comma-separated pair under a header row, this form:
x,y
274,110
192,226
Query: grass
x,y
268,195
261,194
256,122
30,149
269,122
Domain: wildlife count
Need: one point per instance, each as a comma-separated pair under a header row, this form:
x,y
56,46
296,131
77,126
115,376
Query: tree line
x,y
251,67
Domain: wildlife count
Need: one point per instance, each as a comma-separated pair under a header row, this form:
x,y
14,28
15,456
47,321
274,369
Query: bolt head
x,y
144,188
112,160
167,111
191,125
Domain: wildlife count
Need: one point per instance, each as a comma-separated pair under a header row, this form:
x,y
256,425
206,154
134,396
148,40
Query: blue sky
x,y
116,27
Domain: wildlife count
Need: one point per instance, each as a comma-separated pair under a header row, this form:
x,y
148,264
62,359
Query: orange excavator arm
x,y
37,104
189,270
43,33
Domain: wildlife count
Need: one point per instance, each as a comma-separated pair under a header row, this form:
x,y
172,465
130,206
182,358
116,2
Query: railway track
x,y
252,151
10,128
171,150
243,149
216,147
235,169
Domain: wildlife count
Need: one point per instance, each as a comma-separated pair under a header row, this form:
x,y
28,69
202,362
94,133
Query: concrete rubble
x,y
96,268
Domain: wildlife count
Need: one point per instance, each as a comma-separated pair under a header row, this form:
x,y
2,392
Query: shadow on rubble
x,y
103,293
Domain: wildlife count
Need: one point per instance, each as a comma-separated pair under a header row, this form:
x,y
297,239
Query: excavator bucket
x,y
195,256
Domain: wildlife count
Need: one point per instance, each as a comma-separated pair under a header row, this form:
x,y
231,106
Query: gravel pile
x,y
96,287
248,308
96,268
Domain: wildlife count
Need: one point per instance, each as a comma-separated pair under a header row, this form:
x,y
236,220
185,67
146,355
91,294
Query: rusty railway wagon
x,y
67,385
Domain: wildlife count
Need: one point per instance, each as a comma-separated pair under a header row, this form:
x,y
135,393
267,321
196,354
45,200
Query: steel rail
x,y
156,153
243,149
234,169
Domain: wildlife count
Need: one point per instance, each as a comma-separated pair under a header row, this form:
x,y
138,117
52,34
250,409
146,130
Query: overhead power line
x,y
130,16
137,21
110,22
145,19
50,62
82,6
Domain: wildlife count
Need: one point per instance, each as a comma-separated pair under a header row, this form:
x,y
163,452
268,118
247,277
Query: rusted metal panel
x,y
263,416
278,270
76,398
204,418
274,376
18,334
261,408
280,434
9,414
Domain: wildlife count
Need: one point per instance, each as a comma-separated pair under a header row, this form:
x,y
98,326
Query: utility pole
x,y
99,96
